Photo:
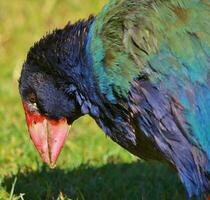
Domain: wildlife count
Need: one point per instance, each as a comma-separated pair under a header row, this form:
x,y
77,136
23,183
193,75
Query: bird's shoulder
x,y
134,38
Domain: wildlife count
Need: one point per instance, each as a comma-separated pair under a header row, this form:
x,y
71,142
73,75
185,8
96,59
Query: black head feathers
x,y
60,47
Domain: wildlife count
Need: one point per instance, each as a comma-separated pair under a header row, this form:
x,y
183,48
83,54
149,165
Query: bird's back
x,y
163,48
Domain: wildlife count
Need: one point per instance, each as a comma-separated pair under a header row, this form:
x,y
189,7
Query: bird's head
x,y
50,87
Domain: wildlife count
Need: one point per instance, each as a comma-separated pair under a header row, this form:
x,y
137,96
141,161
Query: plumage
x,y
140,68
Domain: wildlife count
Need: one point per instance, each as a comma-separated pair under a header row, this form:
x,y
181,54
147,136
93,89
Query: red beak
x,y
47,135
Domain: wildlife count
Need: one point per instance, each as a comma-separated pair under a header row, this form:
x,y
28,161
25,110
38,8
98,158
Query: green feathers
x,y
113,65
126,35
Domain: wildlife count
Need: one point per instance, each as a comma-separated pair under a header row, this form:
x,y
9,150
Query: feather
x,y
168,42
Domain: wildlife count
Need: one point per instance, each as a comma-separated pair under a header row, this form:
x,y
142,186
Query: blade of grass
x,y
13,188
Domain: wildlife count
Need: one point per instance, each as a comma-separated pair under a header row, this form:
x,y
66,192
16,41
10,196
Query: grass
x,y
91,166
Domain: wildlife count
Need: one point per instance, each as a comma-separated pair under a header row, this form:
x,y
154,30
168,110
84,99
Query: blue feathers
x,y
155,56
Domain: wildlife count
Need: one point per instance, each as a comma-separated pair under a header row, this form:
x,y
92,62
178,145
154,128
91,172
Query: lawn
x,y
91,166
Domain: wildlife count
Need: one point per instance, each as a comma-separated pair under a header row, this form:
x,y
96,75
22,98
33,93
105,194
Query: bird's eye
x,y
32,98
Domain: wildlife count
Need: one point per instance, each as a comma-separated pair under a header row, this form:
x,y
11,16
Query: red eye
x,y
32,98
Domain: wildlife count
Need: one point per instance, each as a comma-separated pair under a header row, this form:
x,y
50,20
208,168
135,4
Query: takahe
x,y
141,70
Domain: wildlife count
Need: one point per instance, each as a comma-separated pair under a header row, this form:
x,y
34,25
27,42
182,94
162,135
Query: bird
x,y
141,70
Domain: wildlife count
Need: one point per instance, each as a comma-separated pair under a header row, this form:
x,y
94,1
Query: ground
x,y
91,166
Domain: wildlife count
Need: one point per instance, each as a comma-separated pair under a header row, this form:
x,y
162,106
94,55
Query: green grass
x,y
91,166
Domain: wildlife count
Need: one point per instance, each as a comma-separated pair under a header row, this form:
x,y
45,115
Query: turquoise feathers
x,y
166,42
127,35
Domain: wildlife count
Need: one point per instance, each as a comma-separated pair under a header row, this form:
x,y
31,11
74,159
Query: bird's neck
x,y
113,118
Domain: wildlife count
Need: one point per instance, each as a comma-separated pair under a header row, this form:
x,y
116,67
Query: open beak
x,y
48,135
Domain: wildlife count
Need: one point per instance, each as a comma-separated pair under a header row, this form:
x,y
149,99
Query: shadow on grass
x,y
138,180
